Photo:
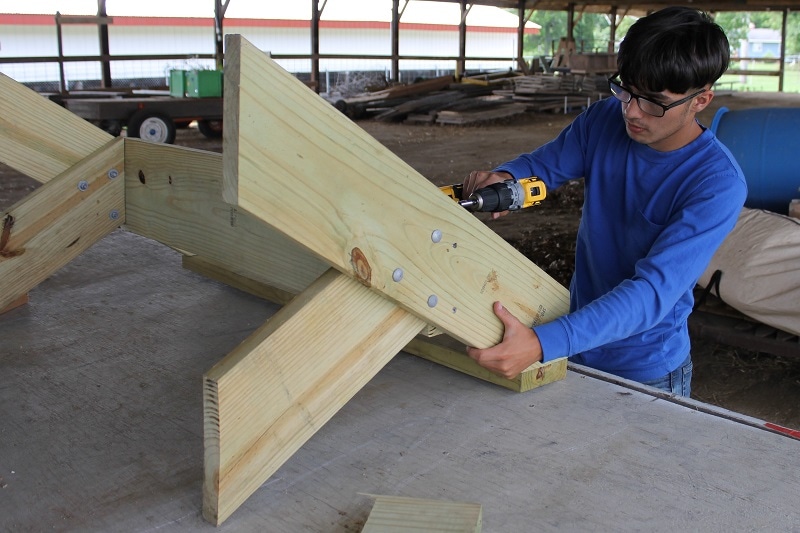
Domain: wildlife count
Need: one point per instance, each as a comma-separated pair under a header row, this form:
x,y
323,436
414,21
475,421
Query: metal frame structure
x,y
525,8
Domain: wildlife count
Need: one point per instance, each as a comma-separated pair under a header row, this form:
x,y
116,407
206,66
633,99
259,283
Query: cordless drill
x,y
509,195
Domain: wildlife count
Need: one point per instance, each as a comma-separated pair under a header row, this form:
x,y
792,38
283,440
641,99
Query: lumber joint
x,y
59,220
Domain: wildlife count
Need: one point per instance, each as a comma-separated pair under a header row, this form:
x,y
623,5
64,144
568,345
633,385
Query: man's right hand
x,y
478,179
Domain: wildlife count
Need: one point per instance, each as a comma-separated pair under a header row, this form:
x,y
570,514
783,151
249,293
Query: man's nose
x,y
632,109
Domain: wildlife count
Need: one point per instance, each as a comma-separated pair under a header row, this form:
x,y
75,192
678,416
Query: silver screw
x,y
114,214
112,173
433,300
397,275
83,185
436,236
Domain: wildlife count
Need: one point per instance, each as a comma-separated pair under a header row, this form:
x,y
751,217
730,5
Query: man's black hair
x,y
674,49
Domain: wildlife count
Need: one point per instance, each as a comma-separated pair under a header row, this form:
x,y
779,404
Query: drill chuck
x,y
495,197
509,195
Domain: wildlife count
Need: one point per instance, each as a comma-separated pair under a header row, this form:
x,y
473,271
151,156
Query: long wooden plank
x,y
40,138
61,219
273,392
292,160
174,196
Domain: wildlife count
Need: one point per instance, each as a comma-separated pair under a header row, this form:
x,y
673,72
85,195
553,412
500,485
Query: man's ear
x,y
702,101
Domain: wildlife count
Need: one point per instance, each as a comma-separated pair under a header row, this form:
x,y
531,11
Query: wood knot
x,y
361,268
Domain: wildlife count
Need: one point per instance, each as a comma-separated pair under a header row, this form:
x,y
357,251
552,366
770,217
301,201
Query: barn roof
x,y
640,7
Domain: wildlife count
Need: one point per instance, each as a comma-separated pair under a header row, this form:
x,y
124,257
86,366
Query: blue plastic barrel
x,y
766,143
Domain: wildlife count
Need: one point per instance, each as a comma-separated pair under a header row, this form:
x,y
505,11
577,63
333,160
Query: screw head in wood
x,y
436,236
433,300
397,274
113,173
83,185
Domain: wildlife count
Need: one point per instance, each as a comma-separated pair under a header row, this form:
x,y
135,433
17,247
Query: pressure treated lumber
x,y
165,193
438,348
398,514
223,274
292,160
174,196
19,302
59,220
40,138
450,353
274,391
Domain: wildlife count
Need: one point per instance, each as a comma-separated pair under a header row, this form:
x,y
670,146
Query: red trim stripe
x,y
786,431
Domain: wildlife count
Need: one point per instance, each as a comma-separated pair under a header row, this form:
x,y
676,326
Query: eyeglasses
x,y
645,104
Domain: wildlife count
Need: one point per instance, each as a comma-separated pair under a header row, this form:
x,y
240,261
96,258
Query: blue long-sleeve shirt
x,y
651,222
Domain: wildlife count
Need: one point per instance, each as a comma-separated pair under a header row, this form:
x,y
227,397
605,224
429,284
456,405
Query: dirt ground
x,y
756,384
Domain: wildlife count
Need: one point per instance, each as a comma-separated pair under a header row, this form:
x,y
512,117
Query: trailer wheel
x,y
152,126
212,129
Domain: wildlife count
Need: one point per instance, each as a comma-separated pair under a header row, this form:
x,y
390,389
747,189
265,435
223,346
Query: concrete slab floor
x,y
101,428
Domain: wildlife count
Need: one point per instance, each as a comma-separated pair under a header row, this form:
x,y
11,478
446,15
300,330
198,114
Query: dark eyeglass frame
x,y
616,88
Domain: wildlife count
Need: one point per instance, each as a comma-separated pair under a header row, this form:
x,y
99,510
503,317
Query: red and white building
x,y
347,27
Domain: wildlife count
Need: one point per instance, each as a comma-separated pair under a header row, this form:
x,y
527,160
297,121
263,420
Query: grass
x,y
791,81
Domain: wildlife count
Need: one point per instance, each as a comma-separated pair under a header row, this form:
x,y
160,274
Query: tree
x,y
593,30
591,33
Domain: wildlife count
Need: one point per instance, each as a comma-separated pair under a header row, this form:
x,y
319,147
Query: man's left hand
x,y
518,350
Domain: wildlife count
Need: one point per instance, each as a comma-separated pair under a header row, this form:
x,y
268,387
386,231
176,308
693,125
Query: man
x,y
661,194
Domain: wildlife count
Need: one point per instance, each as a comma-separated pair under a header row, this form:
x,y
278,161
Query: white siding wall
x,y
38,40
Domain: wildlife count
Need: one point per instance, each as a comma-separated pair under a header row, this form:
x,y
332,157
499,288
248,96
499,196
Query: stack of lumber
x,y
475,99
543,92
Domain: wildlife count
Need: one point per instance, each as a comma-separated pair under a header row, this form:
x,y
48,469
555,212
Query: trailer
x,y
152,118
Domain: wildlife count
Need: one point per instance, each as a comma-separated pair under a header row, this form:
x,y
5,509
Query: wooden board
x,y
59,220
430,344
22,300
27,142
450,353
292,160
274,391
397,514
174,196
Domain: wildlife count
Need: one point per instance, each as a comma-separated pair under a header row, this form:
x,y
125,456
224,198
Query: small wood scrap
x,y
398,514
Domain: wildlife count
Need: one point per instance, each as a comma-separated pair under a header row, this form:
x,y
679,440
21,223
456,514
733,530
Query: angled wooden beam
x,y
274,391
61,219
440,349
40,138
174,196
292,160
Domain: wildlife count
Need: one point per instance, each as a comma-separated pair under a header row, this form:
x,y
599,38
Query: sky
x,y
361,10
